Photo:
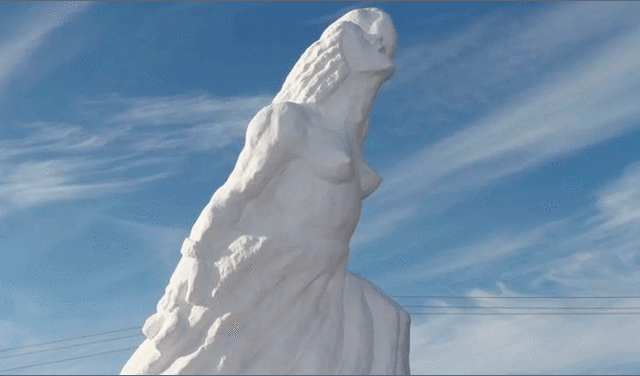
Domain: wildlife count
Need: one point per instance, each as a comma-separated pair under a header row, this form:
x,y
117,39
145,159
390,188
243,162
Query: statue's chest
x,y
299,184
301,199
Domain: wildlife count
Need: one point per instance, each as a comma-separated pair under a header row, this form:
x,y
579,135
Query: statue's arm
x,y
274,137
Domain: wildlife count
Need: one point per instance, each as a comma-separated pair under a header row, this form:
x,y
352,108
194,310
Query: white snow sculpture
x,y
262,286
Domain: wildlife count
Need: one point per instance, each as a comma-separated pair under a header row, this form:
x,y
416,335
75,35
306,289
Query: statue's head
x,y
363,40
377,27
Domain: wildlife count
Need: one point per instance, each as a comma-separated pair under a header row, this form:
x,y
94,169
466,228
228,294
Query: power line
x,y
523,313
68,339
395,296
513,297
411,313
66,360
70,347
478,307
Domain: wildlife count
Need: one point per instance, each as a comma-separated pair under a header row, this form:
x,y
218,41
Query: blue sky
x,y
507,142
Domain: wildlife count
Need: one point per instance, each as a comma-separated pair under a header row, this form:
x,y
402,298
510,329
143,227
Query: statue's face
x,y
369,41
377,23
365,52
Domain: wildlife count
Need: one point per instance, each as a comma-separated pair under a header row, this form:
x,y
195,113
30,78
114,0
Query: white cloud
x,y
164,242
94,317
30,183
597,254
581,105
141,141
503,50
374,227
594,251
184,109
587,105
489,251
192,123
18,48
524,344
620,201
605,256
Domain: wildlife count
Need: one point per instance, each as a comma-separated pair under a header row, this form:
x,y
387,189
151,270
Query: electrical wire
x,y
396,296
68,359
513,297
523,313
69,347
412,313
67,339
478,307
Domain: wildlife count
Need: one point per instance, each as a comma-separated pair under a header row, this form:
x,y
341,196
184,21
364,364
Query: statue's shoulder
x,y
280,121
282,110
289,113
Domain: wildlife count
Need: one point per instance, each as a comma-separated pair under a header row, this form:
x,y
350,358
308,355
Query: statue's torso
x,y
298,202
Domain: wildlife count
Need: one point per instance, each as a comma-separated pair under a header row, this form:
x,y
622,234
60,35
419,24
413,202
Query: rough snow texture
x,y
262,286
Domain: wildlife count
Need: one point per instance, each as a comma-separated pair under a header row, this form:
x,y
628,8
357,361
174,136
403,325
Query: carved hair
x,y
319,71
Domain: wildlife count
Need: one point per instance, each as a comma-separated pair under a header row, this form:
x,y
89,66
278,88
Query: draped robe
x,y
262,285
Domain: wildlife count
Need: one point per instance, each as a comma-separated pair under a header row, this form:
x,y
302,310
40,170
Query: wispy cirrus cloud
x,y
596,251
46,162
369,230
163,242
188,122
593,253
182,109
605,254
592,100
30,183
18,47
587,104
121,144
99,316
476,69
461,344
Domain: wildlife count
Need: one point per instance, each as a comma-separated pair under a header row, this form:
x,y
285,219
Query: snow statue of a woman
x,y
262,286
